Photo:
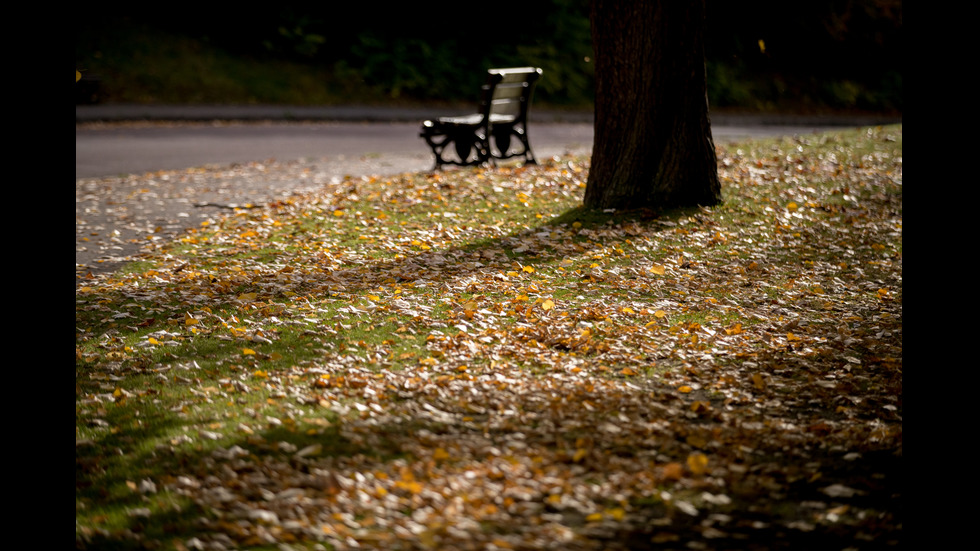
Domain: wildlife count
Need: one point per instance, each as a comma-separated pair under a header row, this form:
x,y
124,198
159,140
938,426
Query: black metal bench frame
x,y
504,104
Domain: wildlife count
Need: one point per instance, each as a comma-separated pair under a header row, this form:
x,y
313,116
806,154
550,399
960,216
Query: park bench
x,y
488,135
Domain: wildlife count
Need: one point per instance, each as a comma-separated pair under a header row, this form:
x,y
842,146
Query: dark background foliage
x,y
762,55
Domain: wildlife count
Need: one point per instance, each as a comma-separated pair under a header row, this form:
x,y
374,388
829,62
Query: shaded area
x,y
762,56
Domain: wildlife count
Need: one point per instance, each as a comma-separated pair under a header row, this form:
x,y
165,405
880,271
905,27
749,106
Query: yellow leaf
x,y
248,351
685,389
657,269
248,296
594,517
440,454
700,407
697,462
627,310
411,486
528,269
547,305
629,372
617,513
792,206
261,375
580,454
660,313
791,337
338,212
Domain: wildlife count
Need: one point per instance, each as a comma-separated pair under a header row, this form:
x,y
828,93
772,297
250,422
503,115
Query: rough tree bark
x,y
653,146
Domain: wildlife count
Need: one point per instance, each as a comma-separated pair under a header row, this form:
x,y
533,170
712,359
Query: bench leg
x,y
437,144
470,145
502,137
528,154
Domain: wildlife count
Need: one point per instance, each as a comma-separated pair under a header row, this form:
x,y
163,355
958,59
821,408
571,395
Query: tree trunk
x,y
653,146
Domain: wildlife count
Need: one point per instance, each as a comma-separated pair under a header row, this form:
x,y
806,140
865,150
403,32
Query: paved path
x,y
355,148
146,181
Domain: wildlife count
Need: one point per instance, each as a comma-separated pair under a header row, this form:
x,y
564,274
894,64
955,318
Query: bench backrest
x,y
508,91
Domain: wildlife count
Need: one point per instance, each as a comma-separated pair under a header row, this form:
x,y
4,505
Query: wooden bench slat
x,y
512,92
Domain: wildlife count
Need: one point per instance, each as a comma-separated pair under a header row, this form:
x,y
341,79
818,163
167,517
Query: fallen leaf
x,y
697,463
839,490
673,471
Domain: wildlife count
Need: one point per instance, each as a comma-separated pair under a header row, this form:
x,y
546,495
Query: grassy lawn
x,y
467,360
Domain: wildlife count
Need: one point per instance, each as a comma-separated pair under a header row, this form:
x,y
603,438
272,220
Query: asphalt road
x,y
143,182
353,147
133,148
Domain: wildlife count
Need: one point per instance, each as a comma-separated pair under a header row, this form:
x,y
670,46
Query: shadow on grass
x,y
106,467
776,491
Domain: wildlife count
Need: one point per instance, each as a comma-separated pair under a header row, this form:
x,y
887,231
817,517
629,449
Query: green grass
x,y
386,335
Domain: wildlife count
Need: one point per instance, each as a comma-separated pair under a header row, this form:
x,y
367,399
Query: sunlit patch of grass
x,y
383,319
